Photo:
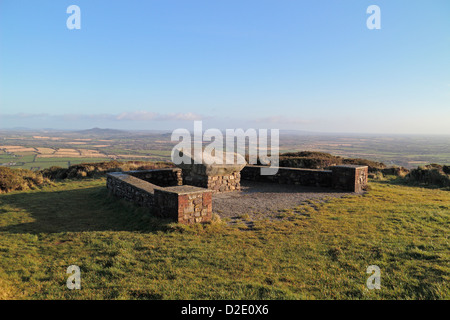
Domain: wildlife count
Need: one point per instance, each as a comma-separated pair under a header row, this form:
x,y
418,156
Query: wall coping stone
x,y
150,170
355,166
186,189
136,182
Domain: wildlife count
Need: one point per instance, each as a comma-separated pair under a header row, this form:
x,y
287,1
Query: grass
x,y
319,252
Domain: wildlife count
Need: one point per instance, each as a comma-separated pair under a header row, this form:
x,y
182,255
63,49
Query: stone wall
x,y
207,171
183,204
351,178
131,188
304,177
189,204
216,183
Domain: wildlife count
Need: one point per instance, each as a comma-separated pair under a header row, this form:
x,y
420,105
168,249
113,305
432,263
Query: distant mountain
x,y
100,131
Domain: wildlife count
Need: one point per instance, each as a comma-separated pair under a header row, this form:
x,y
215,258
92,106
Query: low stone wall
x,y
217,183
131,188
160,177
351,178
183,204
304,177
189,204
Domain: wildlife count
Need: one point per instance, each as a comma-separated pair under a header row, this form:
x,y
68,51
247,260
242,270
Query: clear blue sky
x,y
287,64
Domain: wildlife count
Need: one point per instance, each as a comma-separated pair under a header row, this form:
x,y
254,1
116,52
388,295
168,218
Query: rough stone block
x,y
350,177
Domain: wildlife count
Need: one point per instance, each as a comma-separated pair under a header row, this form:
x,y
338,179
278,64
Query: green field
x,y
319,252
30,161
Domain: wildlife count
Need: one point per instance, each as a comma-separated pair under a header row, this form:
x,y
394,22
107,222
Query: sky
x,y
308,65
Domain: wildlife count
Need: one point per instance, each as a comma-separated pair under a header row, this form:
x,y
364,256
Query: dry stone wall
x,y
163,193
216,183
131,188
350,177
183,204
304,177
346,177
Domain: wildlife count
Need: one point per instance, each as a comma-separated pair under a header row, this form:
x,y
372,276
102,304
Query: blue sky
x,y
305,65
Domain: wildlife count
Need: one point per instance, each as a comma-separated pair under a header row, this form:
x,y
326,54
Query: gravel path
x,y
264,200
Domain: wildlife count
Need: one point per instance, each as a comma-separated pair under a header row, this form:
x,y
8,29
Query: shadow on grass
x,y
87,209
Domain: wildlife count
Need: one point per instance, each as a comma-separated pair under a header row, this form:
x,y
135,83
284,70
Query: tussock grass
x,y
20,179
99,169
319,252
433,175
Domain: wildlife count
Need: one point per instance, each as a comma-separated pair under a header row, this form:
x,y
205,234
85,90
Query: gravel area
x,y
265,200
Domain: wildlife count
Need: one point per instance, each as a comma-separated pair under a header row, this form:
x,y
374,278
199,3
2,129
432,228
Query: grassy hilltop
x,y
315,251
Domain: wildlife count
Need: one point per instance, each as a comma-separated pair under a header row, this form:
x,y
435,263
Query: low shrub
x,y
430,175
378,175
373,165
395,171
309,160
98,169
20,179
322,160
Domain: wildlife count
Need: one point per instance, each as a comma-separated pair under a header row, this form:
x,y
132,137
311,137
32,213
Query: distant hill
x,y
100,131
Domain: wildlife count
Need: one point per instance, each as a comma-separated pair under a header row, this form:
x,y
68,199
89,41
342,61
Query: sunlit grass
x,y
311,252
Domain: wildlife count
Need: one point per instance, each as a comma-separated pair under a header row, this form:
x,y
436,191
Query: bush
x,y
19,179
92,170
309,159
321,160
429,175
378,175
22,179
374,166
446,169
395,171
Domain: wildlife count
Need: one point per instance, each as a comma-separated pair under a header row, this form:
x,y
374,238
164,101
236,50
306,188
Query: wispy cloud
x,y
22,115
153,116
281,120
124,116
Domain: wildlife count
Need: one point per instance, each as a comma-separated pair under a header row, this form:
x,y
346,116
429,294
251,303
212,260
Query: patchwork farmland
x,y
40,150
37,152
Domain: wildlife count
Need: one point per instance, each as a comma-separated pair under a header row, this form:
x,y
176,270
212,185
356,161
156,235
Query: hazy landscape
x,y
42,149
